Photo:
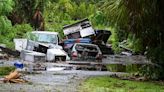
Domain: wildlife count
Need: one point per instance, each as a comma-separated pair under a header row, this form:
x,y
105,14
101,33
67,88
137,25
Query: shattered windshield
x,y
46,38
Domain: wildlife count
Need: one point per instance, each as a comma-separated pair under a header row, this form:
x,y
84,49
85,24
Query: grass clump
x,y
130,68
107,84
6,70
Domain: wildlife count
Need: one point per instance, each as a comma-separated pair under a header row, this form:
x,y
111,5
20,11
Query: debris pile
x,y
39,67
4,56
14,77
9,51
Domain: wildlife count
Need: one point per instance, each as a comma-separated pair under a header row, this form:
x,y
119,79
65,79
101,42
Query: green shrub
x,y
116,68
6,70
130,68
17,31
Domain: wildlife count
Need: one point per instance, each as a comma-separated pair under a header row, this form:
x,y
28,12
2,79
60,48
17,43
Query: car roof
x,y
45,32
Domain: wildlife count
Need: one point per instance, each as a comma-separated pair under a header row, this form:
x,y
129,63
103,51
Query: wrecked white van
x,y
40,45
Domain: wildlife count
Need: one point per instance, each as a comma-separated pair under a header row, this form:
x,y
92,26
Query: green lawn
x,y
107,84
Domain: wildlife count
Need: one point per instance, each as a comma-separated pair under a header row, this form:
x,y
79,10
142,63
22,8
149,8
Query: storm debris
x,y
10,51
14,77
39,67
4,56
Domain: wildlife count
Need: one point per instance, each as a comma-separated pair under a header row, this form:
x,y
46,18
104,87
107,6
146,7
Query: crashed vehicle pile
x,y
82,43
94,41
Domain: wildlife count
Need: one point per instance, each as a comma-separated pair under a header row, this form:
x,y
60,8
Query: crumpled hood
x,y
50,45
57,52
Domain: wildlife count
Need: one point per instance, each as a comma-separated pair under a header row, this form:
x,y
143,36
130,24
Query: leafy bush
x,y
7,31
17,31
115,39
21,30
6,70
150,71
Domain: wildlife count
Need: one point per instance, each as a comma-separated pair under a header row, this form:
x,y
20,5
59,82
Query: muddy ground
x,y
52,81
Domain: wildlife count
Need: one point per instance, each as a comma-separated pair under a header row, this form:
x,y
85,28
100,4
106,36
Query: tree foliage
x,y
144,21
7,31
6,6
26,8
5,24
63,12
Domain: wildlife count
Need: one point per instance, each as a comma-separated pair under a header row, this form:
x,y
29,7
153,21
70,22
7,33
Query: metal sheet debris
x,y
55,68
20,44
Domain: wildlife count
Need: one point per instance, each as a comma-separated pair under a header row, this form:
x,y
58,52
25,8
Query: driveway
x,y
53,81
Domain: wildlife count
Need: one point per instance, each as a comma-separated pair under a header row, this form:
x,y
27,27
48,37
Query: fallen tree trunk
x,y
14,77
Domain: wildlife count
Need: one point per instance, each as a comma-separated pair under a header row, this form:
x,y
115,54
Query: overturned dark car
x,y
101,39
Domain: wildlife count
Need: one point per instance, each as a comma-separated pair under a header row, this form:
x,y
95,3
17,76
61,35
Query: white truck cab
x,y
43,42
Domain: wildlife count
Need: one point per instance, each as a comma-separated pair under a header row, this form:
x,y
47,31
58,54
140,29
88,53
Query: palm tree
x,y
145,20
